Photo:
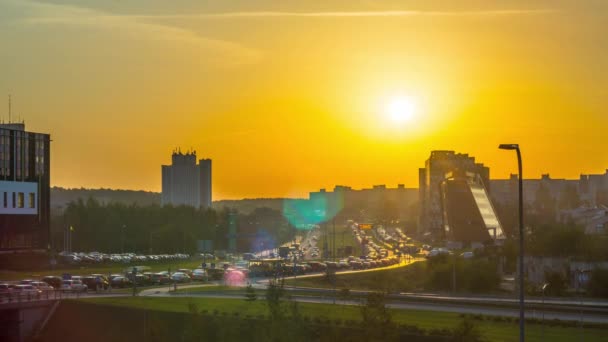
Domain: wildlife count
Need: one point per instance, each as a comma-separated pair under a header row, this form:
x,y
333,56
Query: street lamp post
x,y
521,237
543,320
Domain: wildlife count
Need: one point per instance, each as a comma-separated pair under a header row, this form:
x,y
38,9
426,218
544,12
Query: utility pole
x,y
334,239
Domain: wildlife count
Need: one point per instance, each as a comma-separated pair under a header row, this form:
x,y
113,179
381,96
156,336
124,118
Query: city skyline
x,y
327,97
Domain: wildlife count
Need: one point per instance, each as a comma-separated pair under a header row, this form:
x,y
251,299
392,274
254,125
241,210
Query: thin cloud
x,y
52,14
337,14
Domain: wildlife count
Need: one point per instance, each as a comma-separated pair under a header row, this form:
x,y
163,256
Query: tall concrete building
x,y
186,183
592,189
431,178
24,189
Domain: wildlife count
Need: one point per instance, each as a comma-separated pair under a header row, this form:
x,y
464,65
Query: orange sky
x,y
287,98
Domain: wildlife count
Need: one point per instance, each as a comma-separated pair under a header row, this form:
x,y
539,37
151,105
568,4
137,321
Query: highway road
x,y
439,307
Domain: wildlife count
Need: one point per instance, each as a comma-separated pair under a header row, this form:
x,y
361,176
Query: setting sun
x,y
401,109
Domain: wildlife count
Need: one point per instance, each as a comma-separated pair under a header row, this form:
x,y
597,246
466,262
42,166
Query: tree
x,y
377,319
466,331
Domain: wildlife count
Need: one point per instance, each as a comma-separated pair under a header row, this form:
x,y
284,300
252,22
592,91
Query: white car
x,y
73,286
42,286
26,290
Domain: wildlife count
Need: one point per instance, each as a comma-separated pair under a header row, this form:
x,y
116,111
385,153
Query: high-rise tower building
x,y
24,188
186,183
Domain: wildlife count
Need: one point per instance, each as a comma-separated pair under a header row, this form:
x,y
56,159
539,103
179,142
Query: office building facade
x,y
24,189
431,177
185,182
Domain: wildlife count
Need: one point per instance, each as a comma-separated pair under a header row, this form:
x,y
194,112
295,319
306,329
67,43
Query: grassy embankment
x,y
492,330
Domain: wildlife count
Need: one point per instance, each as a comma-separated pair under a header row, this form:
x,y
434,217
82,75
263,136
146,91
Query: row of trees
x,y
115,227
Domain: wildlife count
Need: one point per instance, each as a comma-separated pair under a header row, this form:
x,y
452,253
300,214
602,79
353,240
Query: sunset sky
x,y
288,97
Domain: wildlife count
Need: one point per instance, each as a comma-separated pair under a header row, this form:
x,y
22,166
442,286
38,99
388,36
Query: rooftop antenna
x,y
9,108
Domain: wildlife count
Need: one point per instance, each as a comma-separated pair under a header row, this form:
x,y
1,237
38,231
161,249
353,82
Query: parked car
x,y
180,277
120,282
160,278
26,291
73,286
53,281
199,274
216,273
5,290
42,286
93,282
185,270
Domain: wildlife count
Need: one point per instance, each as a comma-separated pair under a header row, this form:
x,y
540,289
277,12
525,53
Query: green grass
x,y
211,288
493,331
240,290
103,269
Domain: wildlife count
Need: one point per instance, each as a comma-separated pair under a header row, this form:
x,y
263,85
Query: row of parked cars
x,y
98,282
126,258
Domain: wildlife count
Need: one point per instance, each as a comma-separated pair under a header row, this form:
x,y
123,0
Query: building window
x,y
32,200
14,199
5,199
21,199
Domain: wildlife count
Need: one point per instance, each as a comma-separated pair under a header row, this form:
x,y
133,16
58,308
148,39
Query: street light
x,y
543,320
521,237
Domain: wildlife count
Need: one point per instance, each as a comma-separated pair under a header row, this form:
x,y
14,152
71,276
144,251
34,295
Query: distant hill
x,y
248,205
60,197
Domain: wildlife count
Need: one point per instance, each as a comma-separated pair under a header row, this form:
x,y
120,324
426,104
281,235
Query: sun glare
x,y
401,109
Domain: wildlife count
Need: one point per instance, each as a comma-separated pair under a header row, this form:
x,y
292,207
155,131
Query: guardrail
x,y
19,297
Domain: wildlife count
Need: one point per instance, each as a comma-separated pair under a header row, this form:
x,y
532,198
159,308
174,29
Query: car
x,y
160,278
180,277
140,279
199,274
120,282
216,273
53,281
249,256
5,290
185,270
73,286
95,282
42,286
27,290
